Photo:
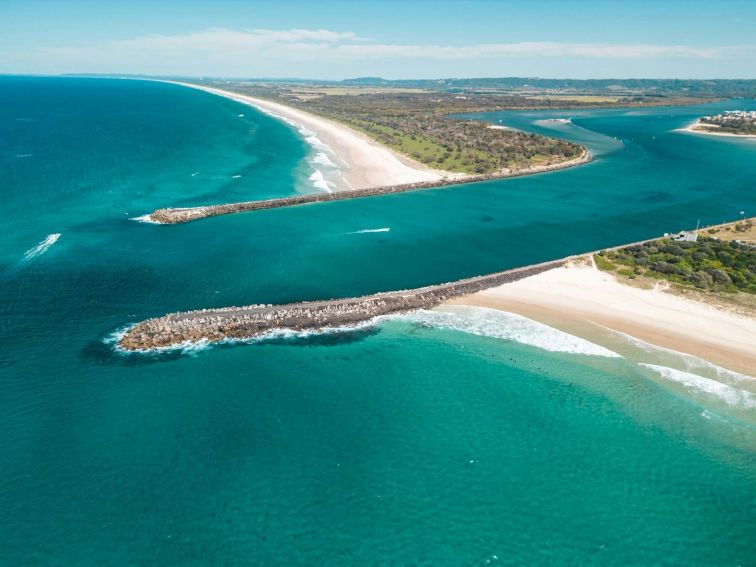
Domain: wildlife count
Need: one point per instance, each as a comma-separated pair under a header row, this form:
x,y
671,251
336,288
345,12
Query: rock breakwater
x,y
247,322
188,214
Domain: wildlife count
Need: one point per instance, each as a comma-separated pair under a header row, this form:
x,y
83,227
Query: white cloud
x,y
542,49
287,52
211,41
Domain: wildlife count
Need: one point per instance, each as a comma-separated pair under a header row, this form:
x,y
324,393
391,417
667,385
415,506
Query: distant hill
x,y
647,87
704,88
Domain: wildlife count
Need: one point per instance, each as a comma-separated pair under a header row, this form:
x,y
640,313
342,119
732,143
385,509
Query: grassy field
x,y
743,231
352,91
598,99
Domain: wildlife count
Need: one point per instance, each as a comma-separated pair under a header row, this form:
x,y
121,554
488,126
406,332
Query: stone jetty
x,y
181,215
246,322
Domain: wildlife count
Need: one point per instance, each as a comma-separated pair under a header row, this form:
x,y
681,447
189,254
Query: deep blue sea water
x,y
411,442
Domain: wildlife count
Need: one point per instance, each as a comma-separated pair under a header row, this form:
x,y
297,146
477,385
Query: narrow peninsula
x,y
389,143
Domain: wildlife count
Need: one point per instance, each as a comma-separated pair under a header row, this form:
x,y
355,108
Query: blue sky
x,y
389,38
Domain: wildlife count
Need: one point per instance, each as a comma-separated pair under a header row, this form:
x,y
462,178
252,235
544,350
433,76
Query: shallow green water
x,y
409,442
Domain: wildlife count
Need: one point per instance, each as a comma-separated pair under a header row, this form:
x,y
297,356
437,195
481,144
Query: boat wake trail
x,y
369,230
42,247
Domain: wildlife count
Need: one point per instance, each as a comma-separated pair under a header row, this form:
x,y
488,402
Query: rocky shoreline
x,y
181,215
215,325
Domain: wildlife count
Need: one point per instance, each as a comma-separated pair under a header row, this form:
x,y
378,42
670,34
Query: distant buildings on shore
x,y
731,115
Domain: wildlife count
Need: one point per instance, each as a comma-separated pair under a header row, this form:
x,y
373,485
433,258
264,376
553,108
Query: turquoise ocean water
x,y
460,438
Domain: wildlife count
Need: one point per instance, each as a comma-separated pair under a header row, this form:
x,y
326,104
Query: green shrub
x,y
602,263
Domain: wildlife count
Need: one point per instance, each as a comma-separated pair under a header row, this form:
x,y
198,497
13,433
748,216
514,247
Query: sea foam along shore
x,y
570,296
364,162
695,128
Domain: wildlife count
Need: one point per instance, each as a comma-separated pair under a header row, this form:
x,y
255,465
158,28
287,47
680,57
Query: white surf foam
x,y
195,174
145,219
42,247
235,176
316,142
482,321
23,156
322,159
291,333
369,230
689,361
309,136
693,382
186,347
319,181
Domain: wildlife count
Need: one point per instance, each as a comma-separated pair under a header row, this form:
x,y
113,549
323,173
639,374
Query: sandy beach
x,y
364,162
568,297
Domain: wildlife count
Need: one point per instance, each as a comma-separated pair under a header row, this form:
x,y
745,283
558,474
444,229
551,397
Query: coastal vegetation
x,y
422,126
420,118
709,264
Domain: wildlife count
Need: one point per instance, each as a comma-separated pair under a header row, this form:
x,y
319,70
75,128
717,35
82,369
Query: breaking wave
x,y
319,181
482,321
322,149
42,247
693,382
322,159
314,141
690,362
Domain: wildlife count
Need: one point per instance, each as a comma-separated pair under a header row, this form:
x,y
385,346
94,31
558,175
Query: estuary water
x,y
456,437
